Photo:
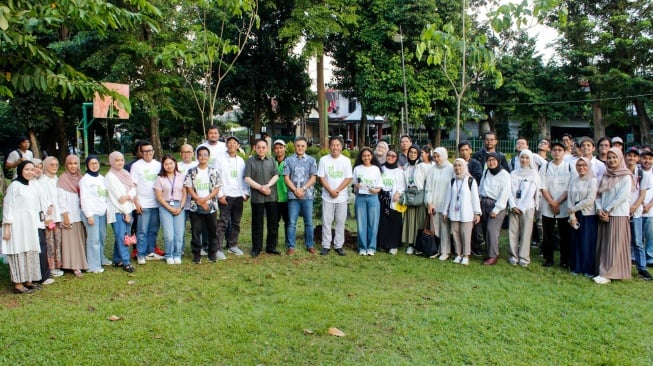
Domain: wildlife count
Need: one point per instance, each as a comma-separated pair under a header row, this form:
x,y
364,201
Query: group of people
x,y
598,203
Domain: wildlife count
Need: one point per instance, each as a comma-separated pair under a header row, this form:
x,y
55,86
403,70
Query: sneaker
x,y
324,251
56,272
601,280
371,252
153,257
513,261
458,259
197,259
203,253
106,263
523,263
49,281
212,259
170,261
176,260
362,252
235,250
99,270
410,250
644,274
340,251
443,257
464,261
220,255
141,260
393,251
291,251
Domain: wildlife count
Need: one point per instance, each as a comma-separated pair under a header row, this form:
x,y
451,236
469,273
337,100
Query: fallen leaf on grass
x,y
336,332
114,318
131,282
91,309
308,331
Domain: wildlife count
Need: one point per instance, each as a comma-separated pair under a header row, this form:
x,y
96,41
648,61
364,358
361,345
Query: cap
x,y
279,142
617,140
233,138
632,150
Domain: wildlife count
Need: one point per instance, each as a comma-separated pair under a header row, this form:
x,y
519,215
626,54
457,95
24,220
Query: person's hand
x,y
223,200
515,210
6,233
477,219
139,208
493,215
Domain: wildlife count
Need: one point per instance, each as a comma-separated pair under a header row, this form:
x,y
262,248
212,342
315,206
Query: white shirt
x,y
367,177
93,195
523,192
462,203
217,151
49,189
69,203
496,187
643,185
183,168
232,173
394,182
14,156
555,180
649,193
335,170
582,195
115,190
617,199
437,186
144,175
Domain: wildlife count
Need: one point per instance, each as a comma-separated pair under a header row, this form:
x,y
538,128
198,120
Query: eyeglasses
x,y
147,151
391,156
203,154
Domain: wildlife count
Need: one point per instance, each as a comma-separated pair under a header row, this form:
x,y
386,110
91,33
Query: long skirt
x,y
389,236
583,245
73,247
53,238
613,248
24,267
413,223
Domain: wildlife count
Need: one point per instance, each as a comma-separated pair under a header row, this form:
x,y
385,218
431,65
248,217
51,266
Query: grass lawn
x,y
394,310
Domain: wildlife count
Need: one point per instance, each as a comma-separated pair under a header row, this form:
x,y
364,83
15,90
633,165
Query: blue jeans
x,y
95,236
147,228
305,208
368,211
648,239
121,252
174,228
636,243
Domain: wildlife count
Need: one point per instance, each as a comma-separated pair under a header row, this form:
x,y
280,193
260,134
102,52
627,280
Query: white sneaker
x,y
410,250
177,260
56,272
513,261
393,251
141,260
601,280
220,255
464,261
370,252
203,253
362,252
99,270
523,263
153,257
235,250
49,281
170,261
444,257
458,259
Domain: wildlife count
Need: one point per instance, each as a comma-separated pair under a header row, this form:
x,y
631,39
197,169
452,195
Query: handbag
x,y
129,240
412,197
427,244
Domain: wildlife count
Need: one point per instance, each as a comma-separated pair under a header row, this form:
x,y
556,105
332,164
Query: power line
x,y
570,101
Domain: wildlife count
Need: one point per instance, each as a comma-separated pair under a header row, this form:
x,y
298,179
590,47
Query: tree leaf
x,y
335,332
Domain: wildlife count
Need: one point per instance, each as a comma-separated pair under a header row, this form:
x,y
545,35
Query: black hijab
x,y
19,172
396,164
88,170
496,170
412,162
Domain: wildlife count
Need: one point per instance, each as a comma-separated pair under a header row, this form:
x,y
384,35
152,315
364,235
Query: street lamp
x,y
400,38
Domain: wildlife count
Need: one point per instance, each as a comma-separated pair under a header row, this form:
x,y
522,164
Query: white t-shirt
x,y
555,180
335,171
184,168
648,175
144,175
367,177
218,150
202,183
14,156
644,184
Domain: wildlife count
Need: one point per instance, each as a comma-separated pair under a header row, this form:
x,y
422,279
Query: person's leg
x,y
102,220
222,224
236,204
153,229
141,234
526,228
43,256
340,218
374,212
272,225
457,239
444,234
548,225
120,250
167,224
564,229
514,227
637,244
211,222
258,210
197,226
179,223
361,222
648,239
283,214
92,244
328,214
465,230
293,214
493,232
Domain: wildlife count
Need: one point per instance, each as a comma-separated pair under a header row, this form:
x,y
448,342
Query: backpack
x,y
9,172
469,182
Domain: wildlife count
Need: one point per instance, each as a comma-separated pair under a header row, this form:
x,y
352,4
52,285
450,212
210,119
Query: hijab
x,y
445,157
529,170
498,169
123,175
589,174
381,158
396,163
68,181
47,162
88,170
465,171
613,175
19,172
412,162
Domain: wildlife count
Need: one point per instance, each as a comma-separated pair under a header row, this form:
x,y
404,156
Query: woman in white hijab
x,y
525,183
437,183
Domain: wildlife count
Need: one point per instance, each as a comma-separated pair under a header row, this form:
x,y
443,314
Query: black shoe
x,y
477,253
255,254
646,276
197,259
213,259
324,251
22,290
119,264
649,265
273,251
129,268
340,251
548,264
34,286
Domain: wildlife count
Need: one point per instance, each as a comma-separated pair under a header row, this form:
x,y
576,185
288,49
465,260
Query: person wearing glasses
x,y
490,143
144,173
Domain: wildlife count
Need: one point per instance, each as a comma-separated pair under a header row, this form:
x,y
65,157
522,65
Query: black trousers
x,y
43,256
199,222
230,215
548,239
267,210
282,213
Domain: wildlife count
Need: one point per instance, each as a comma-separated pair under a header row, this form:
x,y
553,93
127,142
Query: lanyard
x,y
172,186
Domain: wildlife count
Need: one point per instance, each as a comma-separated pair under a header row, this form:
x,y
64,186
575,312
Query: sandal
x,y
119,264
22,290
33,286
129,268
77,273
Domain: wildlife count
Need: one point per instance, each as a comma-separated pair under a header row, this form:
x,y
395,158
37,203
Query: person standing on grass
x,y
646,158
368,183
438,181
582,216
494,192
475,169
261,175
22,153
555,176
144,173
233,193
463,210
48,182
93,199
203,185
335,174
73,235
20,239
490,142
120,205
300,175
171,195
637,197
217,148
415,177
390,222
47,209
184,165
613,207
282,188
587,151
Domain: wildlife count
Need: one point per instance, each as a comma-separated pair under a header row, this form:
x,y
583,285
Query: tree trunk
x,y
362,133
256,126
62,139
156,137
644,120
110,131
34,144
597,118
541,125
321,102
437,136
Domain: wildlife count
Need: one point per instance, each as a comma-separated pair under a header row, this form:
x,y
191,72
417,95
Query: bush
x,y
314,151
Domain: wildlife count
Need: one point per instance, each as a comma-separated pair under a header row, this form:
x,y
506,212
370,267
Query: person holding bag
x,y
394,183
437,183
415,174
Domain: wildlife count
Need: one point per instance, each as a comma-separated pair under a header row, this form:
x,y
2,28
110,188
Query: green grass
x,y
400,310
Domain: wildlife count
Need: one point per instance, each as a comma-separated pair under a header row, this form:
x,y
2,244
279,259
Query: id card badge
x,y
172,203
456,207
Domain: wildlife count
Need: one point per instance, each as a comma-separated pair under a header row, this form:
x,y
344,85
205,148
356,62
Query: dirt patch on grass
x,y
8,300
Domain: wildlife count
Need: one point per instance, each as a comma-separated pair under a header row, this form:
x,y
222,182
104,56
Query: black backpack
x,y
469,181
